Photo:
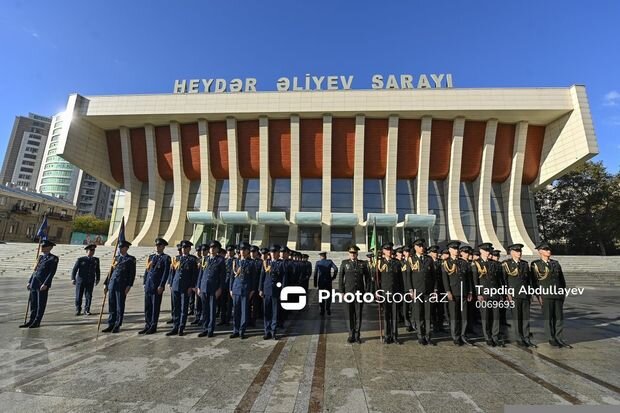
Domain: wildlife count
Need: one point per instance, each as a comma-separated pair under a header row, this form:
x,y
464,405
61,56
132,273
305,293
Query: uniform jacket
x,y
354,275
390,275
244,273
212,274
272,273
305,268
157,272
123,273
547,274
44,271
487,274
86,270
228,262
517,275
419,274
185,273
323,274
453,273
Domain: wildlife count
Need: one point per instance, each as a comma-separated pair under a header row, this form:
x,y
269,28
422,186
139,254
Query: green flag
x,y
373,237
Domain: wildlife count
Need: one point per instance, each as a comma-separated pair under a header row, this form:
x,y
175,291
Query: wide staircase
x,y
17,259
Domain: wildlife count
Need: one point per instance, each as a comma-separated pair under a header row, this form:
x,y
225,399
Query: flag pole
x,y
376,267
107,278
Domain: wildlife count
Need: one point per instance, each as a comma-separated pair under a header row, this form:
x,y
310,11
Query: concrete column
x,y
390,172
133,189
207,182
176,229
259,236
511,191
482,188
326,207
150,229
358,180
295,181
424,165
235,181
453,183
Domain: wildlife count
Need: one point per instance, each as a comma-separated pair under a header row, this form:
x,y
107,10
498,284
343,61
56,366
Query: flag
x,y
373,237
42,232
121,233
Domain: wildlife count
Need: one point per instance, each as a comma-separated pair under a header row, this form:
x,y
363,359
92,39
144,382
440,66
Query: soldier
x,y
195,306
85,275
120,282
354,277
155,278
225,302
254,298
487,275
421,280
437,308
406,273
390,281
242,290
456,273
272,279
548,275
516,276
325,271
183,281
211,282
39,284
173,264
306,271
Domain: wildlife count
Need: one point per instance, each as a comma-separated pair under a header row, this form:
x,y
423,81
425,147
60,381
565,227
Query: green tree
x,y
580,212
90,224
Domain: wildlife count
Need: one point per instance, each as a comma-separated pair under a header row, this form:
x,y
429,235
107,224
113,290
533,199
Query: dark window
x,y
341,238
405,197
30,156
342,195
468,212
498,214
278,234
437,207
34,143
374,200
281,195
309,238
251,195
311,195
22,169
221,196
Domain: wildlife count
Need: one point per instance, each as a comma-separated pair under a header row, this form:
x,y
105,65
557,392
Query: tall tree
x,y
581,210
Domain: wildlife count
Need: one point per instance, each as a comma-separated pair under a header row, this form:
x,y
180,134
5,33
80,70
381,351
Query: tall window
x,y
374,196
437,207
498,215
405,197
309,238
281,195
341,238
342,195
251,194
311,195
468,212
220,202
528,209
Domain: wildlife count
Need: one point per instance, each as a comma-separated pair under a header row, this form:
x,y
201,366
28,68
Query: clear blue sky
x,y
50,49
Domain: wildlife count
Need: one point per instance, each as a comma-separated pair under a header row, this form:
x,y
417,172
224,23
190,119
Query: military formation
x,y
235,286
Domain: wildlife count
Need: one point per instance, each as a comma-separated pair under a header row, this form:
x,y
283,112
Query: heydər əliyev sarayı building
x,y
314,169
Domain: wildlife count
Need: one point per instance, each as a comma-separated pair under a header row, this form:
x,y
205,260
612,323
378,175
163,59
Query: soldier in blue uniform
x,y
118,285
39,284
210,285
255,300
272,279
225,302
85,275
242,289
517,275
183,281
306,271
456,273
155,278
325,271
194,300
548,274
173,264
487,275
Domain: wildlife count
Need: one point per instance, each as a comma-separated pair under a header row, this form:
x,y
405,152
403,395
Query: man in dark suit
x,y
85,275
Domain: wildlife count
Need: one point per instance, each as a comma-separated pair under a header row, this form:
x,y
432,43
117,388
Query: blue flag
x,y
42,232
121,233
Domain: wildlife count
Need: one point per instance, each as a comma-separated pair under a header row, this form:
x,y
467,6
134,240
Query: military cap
x,y
124,244
274,248
515,247
419,242
486,246
433,248
543,246
406,249
214,243
476,251
466,248
264,251
90,247
179,247
47,243
230,247
284,248
454,244
444,251
399,250
254,248
322,254
354,248
496,253
305,256
186,244
161,241
244,246
387,246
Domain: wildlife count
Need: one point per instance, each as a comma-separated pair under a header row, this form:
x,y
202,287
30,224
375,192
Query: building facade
x,y
22,159
317,169
22,212
63,180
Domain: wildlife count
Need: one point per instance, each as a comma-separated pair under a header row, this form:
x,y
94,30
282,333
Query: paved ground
x,y
61,367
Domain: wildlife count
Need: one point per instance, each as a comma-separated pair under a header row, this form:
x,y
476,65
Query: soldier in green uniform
x,y
517,275
390,281
487,276
456,274
421,280
548,274
353,276
406,272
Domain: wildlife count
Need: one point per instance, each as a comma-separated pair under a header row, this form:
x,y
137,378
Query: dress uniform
x,y
390,281
254,300
195,306
306,271
437,308
225,302
118,286
548,274
173,265
421,280
487,275
85,275
516,276
272,279
456,273
211,284
241,289
354,276
325,271
155,279
183,281
406,308
39,284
